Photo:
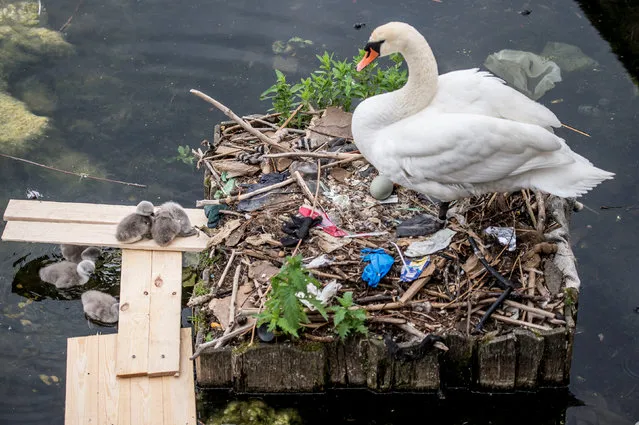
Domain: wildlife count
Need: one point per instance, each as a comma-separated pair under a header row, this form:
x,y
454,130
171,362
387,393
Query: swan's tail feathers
x,y
571,181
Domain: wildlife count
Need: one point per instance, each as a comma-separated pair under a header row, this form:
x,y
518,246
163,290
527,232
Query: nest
x,y
325,173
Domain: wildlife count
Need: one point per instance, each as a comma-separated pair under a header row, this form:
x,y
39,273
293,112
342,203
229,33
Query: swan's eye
x,y
374,46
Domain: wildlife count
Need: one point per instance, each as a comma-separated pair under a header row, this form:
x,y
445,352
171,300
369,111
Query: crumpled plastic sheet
x,y
435,242
505,235
529,73
380,265
323,296
569,58
321,261
564,258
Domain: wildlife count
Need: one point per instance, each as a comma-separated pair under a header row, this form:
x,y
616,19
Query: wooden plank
x,y
124,401
82,381
180,390
109,390
76,212
165,313
133,325
147,401
90,234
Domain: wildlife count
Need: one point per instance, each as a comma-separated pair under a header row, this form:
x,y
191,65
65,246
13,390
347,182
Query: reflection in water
x,y
120,107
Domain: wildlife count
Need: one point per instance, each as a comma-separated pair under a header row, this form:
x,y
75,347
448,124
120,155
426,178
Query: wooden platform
x,y
95,395
84,224
142,375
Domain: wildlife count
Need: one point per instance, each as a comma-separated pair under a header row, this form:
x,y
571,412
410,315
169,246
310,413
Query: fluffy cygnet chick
x,y
100,307
66,274
177,213
165,228
136,226
77,253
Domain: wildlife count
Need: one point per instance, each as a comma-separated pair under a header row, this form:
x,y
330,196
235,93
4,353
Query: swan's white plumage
x,y
463,133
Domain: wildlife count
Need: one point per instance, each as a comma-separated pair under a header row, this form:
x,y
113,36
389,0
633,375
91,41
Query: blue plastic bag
x,y
380,265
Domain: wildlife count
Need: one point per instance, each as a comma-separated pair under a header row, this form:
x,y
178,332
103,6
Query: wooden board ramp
x,y
141,375
85,224
94,395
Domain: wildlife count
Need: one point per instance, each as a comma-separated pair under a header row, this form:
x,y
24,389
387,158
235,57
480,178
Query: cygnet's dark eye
x,y
373,45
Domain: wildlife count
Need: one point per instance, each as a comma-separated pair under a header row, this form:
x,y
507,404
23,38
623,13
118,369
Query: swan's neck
x,y
422,78
385,109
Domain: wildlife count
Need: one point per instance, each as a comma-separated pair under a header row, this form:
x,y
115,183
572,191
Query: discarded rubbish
x,y
326,224
264,334
505,235
321,261
33,194
380,265
420,225
413,269
569,58
212,212
529,73
259,201
436,242
381,187
324,295
298,228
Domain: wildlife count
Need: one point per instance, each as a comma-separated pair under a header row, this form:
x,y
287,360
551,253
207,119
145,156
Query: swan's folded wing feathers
x,y
463,148
480,92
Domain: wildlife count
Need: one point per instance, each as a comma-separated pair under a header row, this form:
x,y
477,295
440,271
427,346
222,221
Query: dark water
x,y
123,103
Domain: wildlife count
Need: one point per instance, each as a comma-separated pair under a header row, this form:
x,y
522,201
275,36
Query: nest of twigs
x,y
454,292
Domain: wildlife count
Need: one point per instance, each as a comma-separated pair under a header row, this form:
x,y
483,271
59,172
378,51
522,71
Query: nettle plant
x,y
335,83
284,312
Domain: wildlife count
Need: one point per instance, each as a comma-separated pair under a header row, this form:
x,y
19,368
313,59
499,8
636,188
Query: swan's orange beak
x,y
369,57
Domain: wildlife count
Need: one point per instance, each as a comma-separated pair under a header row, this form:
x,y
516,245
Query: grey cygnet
x,y
177,213
165,228
77,253
100,307
136,226
66,274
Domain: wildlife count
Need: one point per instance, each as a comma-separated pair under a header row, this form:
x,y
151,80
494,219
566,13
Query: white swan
x,y
463,133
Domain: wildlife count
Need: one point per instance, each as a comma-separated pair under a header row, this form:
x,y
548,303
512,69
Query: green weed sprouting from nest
x,y
347,321
283,309
335,83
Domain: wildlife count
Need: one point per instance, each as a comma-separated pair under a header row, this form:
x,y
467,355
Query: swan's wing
x,y
464,148
472,91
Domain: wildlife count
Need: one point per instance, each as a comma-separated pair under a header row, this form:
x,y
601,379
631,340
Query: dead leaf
x,y
235,168
282,163
334,122
340,174
261,239
262,271
220,306
224,232
236,236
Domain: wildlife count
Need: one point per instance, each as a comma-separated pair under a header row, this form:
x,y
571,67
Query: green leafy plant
x,y
283,309
334,83
347,321
229,185
184,155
